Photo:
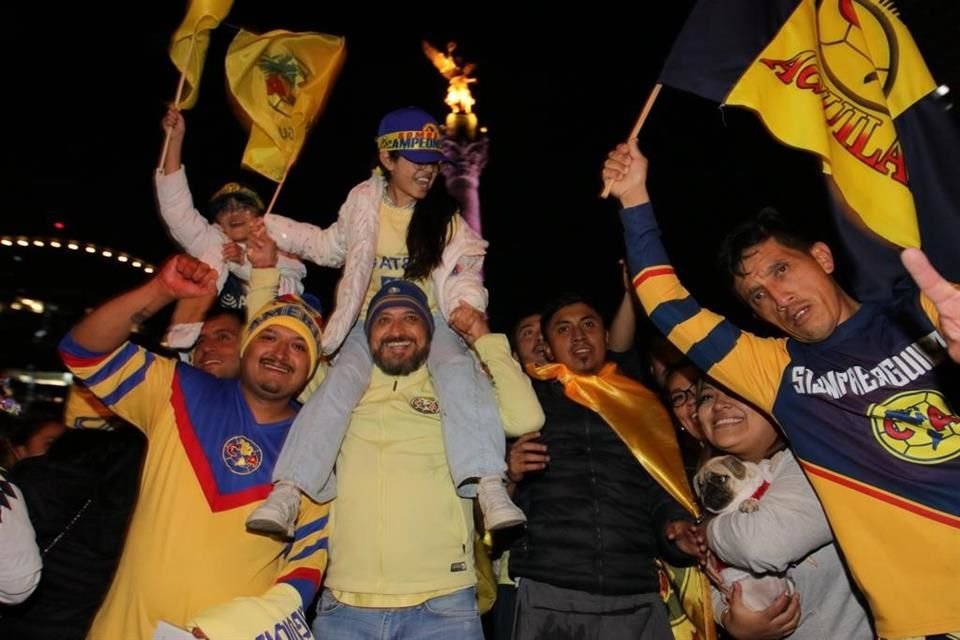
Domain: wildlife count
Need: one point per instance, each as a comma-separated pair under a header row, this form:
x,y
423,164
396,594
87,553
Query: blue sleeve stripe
x,y
669,314
309,551
71,347
311,527
130,383
715,346
642,238
115,364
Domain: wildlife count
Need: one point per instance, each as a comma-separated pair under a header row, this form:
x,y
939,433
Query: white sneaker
x,y
498,509
278,513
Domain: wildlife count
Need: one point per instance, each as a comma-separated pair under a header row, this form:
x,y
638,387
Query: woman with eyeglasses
x,y
680,393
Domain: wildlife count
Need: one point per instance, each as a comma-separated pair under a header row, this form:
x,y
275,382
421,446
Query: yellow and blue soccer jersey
x,y
868,414
208,466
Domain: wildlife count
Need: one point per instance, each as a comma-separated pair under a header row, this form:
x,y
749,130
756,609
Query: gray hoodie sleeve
x,y
789,525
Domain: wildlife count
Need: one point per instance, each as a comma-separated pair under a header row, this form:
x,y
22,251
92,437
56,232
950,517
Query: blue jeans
x,y
472,432
450,617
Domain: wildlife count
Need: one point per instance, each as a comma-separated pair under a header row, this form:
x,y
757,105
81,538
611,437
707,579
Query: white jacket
x,y
351,242
204,240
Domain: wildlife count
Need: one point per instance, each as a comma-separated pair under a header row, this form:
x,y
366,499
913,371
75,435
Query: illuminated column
x,y
466,160
465,144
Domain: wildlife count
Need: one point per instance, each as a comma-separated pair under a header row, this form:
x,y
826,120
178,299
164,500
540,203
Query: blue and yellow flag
x,y
844,80
281,80
188,47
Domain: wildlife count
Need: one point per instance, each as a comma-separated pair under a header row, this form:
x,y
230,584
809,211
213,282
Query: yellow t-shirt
x,y
392,257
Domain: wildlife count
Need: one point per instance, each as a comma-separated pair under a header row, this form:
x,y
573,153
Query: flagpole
x,y
636,129
176,99
276,192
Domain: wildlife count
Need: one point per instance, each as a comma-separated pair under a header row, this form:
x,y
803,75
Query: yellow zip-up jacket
x,y
400,534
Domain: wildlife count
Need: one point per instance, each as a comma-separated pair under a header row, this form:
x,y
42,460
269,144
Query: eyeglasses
x,y
680,397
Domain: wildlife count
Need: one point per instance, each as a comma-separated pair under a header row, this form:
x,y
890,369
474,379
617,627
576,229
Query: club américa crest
x,y
859,50
917,426
242,455
425,405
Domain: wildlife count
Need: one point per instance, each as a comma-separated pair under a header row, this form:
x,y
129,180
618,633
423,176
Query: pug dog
x,y
725,484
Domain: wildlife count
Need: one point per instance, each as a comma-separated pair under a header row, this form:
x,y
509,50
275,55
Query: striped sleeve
x,y
305,558
134,383
748,365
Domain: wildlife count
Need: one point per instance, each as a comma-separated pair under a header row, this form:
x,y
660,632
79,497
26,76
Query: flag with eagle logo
x,y
844,80
280,81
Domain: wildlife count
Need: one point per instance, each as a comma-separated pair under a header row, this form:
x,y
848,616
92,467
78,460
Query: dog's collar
x,y
762,489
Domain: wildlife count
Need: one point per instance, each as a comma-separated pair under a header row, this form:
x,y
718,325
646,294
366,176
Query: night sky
x,y
83,136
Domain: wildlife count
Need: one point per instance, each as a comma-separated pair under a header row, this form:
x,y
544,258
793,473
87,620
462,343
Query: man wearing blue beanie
x,y
401,552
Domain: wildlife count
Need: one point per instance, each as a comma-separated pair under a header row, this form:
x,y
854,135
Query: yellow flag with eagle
x,y
280,81
842,79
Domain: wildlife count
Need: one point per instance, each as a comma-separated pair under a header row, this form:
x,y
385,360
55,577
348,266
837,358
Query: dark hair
x,y
768,223
429,229
16,431
232,201
515,327
565,300
217,310
683,363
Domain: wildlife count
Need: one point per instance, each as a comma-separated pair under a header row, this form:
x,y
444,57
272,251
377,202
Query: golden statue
x,y
452,68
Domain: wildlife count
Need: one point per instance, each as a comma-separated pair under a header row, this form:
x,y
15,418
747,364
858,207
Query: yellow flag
x,y
833,80
281,81
188,47
638,418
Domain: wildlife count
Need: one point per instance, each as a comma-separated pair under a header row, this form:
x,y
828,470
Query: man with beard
x,y
401,552
212,446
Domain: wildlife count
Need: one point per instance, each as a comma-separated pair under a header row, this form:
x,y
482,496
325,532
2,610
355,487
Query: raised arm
x,y
124,376
325,247
520,410
623,329
940,298
459,278
174,126
748,365
188,227
264,275
109,326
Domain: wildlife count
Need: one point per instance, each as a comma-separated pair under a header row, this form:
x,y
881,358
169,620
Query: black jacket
x,y
595,516
93,477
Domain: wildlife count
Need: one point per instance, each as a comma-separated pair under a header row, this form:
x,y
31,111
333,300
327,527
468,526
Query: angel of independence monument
x,y
465,143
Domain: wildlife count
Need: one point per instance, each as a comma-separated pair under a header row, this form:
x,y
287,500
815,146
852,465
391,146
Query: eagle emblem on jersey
x,y
917,426
428,406
242,455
